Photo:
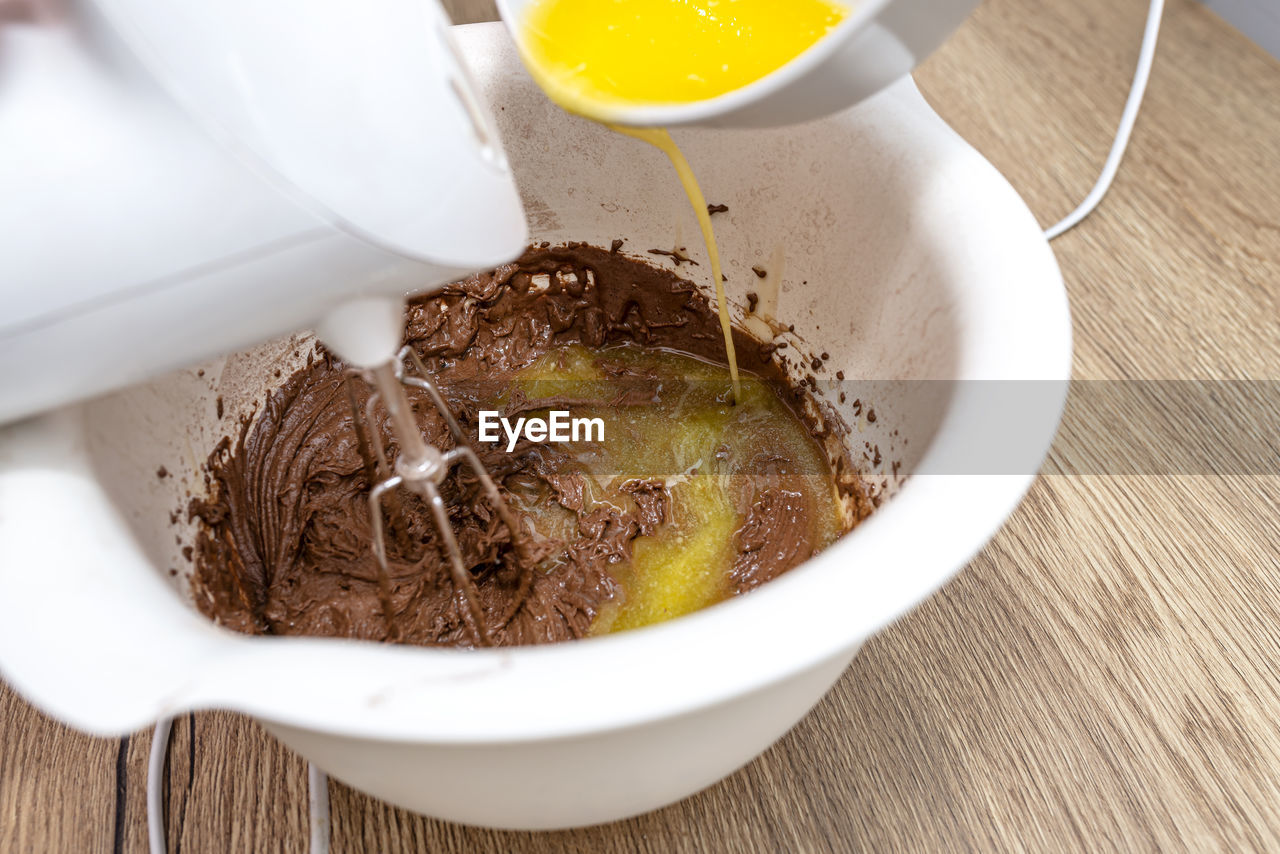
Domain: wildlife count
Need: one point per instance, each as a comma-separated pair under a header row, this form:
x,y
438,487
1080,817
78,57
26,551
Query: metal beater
x,y
421,468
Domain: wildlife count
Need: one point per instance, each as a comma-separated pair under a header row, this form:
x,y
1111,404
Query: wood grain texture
x,y
57,787
1103,676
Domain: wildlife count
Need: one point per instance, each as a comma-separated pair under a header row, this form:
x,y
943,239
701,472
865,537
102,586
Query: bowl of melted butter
x,y
904,341
723,63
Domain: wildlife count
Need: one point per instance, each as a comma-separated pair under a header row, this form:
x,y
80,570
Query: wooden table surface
x,y
1104,675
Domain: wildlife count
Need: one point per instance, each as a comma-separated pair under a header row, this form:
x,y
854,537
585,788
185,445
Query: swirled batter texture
x,y
688,500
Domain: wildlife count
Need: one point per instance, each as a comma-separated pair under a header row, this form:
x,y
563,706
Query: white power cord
x,y
318,801
155,780
318,783
1127,119
317,795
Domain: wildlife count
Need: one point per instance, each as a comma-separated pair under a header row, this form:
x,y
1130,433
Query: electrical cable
x,y
1127,120
318,802
155,780
317,796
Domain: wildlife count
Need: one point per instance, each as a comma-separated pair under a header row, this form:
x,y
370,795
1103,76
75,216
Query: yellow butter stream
x,y
593,57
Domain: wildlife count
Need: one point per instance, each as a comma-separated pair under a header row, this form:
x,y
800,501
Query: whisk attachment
x,y
421,468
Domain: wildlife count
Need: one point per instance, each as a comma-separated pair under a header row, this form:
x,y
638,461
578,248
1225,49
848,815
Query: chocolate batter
x,y
284,546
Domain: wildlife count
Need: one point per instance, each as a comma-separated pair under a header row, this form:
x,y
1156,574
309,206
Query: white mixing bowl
x,y
904,255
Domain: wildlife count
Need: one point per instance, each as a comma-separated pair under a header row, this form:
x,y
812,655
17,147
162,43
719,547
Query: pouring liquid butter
x,y
594,58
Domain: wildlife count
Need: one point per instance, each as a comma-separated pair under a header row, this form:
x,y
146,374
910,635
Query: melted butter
x,y
659,138
596,55
595,58
706,450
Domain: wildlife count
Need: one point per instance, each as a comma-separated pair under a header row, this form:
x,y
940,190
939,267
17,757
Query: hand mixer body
x,y
184,179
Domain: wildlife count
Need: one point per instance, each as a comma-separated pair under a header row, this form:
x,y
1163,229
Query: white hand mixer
x,y
300,164
182,178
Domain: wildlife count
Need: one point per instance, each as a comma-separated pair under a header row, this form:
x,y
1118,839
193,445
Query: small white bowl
x,y
904,255
879,42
